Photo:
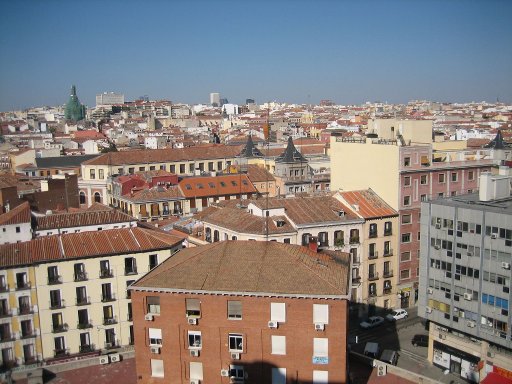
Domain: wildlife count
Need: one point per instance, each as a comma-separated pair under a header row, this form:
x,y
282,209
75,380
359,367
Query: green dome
x,y
74,110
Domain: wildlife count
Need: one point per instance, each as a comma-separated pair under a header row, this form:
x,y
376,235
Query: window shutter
x,y
321,313
278,312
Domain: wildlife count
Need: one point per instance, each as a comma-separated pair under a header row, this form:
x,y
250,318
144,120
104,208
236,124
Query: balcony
x,y
7,336
387,290
9,364
85,325
57,328
130,271
61,352
106,298
373,255
111,345
106,273
388,273
388,252
4,288
83,300
25,310
372,294
373,276
56,279
339,243
27,334
354,240
356,280
109,320
372,234
57,304
81,276
5,312
23,285
86,348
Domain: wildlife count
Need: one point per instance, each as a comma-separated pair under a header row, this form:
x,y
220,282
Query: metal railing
x,y
373,276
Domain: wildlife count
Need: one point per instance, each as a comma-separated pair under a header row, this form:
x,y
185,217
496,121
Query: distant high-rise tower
x,y
109,98
215,99
74,110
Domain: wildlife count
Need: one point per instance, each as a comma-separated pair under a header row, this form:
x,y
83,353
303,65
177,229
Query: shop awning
x,y
494,378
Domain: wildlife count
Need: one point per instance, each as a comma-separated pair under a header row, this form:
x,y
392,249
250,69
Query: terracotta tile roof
x,y
210,186
259,174
155,194
370,204
203,152
17,215
252,266
8,180
80,219
85,244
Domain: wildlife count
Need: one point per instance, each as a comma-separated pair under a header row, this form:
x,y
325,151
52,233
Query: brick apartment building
x,y
243,312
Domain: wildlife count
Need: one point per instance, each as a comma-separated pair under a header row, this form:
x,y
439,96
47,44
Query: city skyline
x,y
296,52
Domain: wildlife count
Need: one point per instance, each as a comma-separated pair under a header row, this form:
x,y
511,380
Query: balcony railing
x,y
81,276
88,324
373,255
388,273
388,232
112,344
130,271
372,234
4,288
387,291
388,252
372,294
354,240
83,300
57,304
56,328
56,279
7,336
61,352
373,276
105,298
28,334
23,285
356,280
109,320
5,312
86,348
106,273
25,309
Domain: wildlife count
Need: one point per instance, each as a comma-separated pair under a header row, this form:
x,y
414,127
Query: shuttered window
x,y
234,309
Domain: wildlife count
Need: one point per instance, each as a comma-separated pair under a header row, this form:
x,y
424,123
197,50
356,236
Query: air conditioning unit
x,y
319,326
471,324
194,352
273,324
195,381
437,246
235,356
104,359
381,370
438,226
192,321
505,265
468,296
155,350
224,372
148,317
490,354
430,291
115,358
428,309
494,235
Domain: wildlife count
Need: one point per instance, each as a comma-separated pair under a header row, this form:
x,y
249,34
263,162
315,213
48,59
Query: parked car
x,y
397,314
372,322
389,356
420,340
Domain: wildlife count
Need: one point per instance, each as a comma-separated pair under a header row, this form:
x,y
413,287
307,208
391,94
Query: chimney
x,y
313,245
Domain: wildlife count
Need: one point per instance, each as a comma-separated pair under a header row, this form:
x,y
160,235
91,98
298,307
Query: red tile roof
x,y
81,219
210,186
18,215
370,204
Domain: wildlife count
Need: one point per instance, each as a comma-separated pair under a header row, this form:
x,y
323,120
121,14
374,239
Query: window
x,y
406,219
153,261
278,312
372,289
405,256
407,200
21,281
321,313
142,169
193,308
405,274
60,345
278,375
18,229
320,347
92,174
105,270
278,345
234,309
407,181
423,197
194,340
373,230
157,368
471,175
236,342
55,299
423,179
83,318
454,176
196,371
406,237
106,292
320,377
407,161
441,178
57,322
236,372
79,272
153,304
388,228
53,275
81,296
108,315
323,238
130,266
101,174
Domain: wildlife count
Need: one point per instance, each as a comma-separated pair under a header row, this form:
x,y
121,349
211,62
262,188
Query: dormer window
x,y
279,223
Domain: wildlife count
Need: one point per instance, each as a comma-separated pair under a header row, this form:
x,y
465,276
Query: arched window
x,y
82,197
97,197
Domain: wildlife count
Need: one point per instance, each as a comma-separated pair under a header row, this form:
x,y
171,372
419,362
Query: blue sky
x,y
285,50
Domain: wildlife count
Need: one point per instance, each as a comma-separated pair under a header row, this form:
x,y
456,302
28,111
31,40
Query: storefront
x,y
458,362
